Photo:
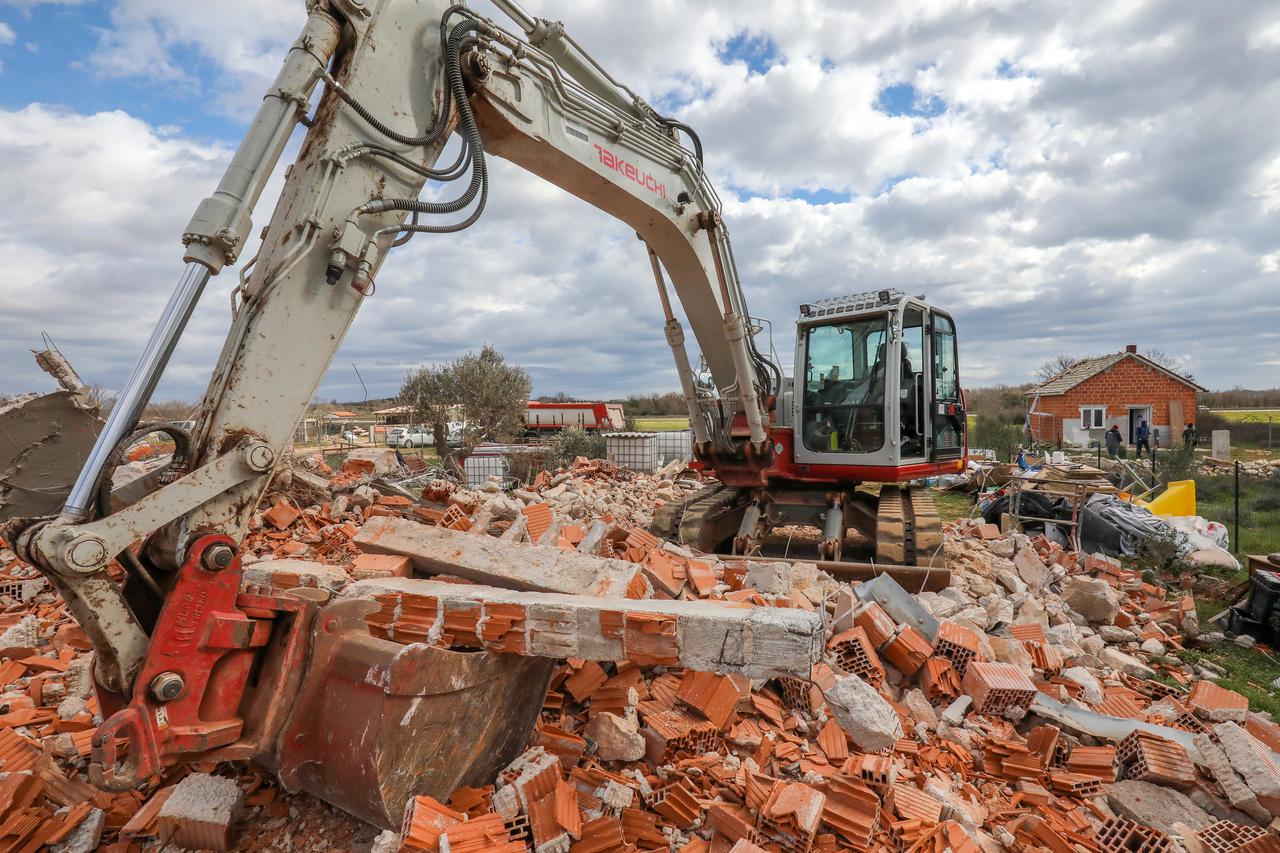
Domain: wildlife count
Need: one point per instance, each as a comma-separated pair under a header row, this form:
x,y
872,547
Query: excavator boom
x,y
191,659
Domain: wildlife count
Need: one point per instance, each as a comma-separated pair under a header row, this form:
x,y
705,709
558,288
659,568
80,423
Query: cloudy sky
x,y
1065,178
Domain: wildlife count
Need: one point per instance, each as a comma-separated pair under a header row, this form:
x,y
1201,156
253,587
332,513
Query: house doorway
x,y
1138,414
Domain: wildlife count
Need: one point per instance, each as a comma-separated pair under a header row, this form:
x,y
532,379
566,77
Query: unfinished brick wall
x,y
1130,382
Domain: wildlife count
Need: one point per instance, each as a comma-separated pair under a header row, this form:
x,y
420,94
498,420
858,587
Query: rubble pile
x,y
963,733
1034,703
1260,468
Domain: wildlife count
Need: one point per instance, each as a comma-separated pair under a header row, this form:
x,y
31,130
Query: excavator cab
x,y
877,383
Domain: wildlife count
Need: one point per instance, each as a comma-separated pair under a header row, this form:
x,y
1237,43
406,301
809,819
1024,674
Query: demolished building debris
x,y
697,704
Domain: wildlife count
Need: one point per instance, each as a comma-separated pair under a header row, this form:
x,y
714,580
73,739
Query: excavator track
x,y
908,528
666,521
712,518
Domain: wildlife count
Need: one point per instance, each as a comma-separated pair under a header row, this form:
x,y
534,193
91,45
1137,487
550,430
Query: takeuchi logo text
x,y
630,172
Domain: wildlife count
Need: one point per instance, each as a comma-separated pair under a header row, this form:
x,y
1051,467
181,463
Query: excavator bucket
x,y
44,441
377,722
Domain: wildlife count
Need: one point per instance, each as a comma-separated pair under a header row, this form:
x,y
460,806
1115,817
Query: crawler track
x,y
712,518
908,528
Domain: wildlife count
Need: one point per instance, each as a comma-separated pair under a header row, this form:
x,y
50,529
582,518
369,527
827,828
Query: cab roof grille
x,y
851,303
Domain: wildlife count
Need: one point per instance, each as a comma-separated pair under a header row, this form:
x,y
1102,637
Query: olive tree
x,y
492,394
483,390
428,391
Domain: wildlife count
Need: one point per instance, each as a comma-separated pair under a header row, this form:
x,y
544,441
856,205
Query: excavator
x,y
191,666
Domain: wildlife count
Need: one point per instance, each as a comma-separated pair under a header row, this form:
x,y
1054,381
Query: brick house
x,y
1078,405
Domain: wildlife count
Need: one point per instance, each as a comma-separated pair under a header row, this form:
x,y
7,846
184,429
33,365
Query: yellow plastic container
x,y
1178,499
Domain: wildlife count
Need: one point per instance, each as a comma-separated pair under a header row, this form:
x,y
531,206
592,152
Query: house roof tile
x,y
1091,367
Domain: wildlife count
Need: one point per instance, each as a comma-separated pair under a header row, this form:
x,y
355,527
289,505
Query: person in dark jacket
x,y
1114,440
1189,437
1143,435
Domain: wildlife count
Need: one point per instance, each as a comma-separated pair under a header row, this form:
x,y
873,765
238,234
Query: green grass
x,y
952,505
661,424
1259,504
1249,415
1249,671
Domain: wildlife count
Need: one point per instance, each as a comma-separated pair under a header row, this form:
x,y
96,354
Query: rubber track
x,y
666,521
698,513
908,528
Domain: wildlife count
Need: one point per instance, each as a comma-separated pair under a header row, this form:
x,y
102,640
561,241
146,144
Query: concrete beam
x,y
511,565
759,642
914,579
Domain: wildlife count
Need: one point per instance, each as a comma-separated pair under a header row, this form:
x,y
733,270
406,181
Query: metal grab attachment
x,y
189,696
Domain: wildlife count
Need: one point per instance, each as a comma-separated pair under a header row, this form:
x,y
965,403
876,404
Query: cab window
x,y
948,424
844,386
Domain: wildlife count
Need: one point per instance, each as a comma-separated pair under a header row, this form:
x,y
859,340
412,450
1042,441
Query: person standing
x,y
1143,435
1114,440
1189,437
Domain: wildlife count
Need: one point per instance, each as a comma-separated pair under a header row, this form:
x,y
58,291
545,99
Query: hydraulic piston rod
x,y
133,399
675,338
215,236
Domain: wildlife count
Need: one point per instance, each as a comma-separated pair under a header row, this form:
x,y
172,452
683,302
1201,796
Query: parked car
x,y
454,433
409,437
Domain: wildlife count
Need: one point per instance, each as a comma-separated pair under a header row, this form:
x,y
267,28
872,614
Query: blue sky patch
x,y
903,99
760,53
49,63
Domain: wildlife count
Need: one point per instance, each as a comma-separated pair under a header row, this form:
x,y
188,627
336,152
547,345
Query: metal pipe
x,y
137,392
550,38
513,11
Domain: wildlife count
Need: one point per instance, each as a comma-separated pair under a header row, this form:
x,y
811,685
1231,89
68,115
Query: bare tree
x,y
1056,366
1168,362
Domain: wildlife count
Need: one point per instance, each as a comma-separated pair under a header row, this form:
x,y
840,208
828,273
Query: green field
x,y
661,424
1248,415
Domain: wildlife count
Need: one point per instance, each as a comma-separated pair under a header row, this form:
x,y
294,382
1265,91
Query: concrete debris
x,y
698,704
484,559
1155,806
863,714
199,812
1092,598
617,738
759,642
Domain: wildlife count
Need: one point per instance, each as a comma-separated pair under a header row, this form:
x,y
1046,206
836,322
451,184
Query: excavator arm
x,y
179,647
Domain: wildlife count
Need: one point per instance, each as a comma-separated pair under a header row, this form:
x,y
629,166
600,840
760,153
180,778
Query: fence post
x,y
1239,545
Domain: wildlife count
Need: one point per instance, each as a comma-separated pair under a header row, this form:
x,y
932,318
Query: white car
x,y
410,437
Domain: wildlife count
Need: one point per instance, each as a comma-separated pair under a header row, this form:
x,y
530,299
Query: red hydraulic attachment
x,y
197,695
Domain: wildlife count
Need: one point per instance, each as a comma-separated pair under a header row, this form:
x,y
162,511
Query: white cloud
x,y
7,34
1096,180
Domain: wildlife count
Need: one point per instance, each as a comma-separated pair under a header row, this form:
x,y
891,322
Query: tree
x,y
483,390
1056,366
1168,362
492,394
429,392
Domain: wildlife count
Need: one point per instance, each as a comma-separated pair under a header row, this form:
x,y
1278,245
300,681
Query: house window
x,y
1092,417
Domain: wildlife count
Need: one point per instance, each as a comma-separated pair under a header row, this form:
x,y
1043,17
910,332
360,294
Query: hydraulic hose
x,y
479,186
437,129
693,136
456,170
